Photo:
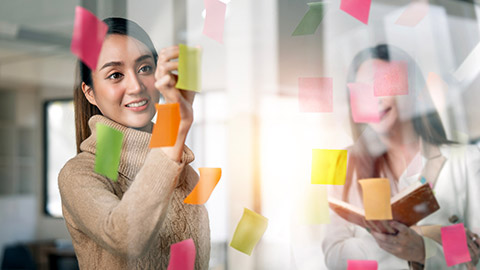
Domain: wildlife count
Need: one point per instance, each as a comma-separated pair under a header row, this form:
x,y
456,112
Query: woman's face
x,y
123,83
388,109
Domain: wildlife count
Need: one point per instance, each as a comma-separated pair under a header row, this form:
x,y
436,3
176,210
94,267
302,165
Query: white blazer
x,y
454,172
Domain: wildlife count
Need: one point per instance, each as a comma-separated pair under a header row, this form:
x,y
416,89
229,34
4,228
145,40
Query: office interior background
x,y
247,117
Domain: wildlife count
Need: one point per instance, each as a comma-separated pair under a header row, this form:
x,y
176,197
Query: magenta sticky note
x,y
88,35
214,19
454,242
359,9
315,94
413,14
362,265
391,79
182,255
363,104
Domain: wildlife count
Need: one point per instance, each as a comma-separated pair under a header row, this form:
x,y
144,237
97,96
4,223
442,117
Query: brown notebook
x,y
408,207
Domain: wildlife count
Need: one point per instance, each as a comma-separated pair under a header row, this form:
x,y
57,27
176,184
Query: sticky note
x,y
311,20
315,94
249,230
391,79
214,19
88,35
454,242
108,151
413,14
362,265
423,180
182,255
209,178
359,9
470,67
189,68
315,208
329,167
376,198
363,104
165,129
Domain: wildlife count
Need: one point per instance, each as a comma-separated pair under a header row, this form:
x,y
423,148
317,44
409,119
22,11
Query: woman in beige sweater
x,y
131,223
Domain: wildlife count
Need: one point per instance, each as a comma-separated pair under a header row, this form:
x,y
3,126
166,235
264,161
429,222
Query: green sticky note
x,y
311,20
109,148
249,230
189,68
329,167
315,208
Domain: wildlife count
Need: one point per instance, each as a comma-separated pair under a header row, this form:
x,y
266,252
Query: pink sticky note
x,y
182,255
413,14
454,242
214,19
363,103
391,79
362,265
315,94
88,35
359,9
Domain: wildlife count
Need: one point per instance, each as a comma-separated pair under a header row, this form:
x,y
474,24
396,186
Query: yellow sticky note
x,y
315,208
329,167
249,230
189,68
209,178
376,198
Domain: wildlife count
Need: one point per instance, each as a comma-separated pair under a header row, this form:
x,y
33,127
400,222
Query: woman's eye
x,y
115,76
146,69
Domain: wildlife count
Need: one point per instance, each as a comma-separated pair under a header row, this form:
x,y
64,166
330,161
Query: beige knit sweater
x,y
131,223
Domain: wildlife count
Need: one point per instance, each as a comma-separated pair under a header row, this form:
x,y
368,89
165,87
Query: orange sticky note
x,y
209,178
329,167
165,130
376,198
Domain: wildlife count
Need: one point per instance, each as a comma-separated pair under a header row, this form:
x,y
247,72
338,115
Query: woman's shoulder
x,y
83,162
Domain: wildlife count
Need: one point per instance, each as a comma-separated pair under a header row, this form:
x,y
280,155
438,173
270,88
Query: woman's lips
x,y
138,109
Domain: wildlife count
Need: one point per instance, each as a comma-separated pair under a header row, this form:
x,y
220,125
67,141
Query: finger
x,y
401,228
385,237
165,68
167,54
373,226
387,227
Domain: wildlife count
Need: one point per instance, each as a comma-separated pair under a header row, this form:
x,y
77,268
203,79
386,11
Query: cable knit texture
x,y
131,223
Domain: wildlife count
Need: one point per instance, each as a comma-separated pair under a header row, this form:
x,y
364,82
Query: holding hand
x,y
406,244
165,83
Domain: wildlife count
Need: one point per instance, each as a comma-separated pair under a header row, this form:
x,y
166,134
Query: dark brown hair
x,y
83,108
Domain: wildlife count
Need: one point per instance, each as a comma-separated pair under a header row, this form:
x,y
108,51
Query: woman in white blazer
x,y
407,143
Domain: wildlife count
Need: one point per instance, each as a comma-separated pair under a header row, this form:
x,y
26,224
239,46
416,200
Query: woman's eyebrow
x,y
110,64
143,57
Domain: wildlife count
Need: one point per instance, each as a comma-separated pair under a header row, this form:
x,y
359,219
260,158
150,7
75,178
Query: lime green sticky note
x,y
311,20
249,230
109,148
329,167
189,68
315,208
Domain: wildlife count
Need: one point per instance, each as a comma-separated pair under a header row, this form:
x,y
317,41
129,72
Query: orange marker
x,y
209,178
165,130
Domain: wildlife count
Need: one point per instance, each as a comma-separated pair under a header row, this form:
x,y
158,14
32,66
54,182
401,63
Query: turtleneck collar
x,y
134,148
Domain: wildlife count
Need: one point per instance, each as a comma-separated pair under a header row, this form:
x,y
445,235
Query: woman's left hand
x,y
406,244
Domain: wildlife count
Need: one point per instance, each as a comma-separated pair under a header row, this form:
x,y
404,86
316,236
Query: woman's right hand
x,y
474,247
165,83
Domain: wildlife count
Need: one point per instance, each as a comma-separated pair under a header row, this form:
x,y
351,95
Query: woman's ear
x,y
88,92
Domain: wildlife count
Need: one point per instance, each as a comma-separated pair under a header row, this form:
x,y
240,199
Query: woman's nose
x,y
134,86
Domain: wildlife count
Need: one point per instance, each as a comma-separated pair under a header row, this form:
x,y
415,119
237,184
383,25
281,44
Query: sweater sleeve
x,y
123,226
